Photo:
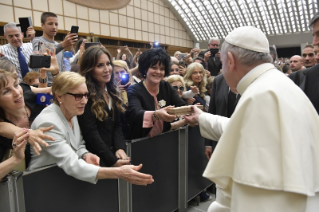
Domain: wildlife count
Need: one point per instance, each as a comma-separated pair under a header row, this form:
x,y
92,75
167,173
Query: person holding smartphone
x,y
49,24
212,63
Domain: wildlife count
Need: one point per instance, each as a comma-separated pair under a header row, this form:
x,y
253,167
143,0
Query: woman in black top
x,y
16,113
100,123
150,99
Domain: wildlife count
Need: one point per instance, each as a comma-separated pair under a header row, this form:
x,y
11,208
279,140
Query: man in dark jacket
x,y
213,64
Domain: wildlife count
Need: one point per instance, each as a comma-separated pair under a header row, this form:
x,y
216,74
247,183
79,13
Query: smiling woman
x,y
100,123
150,99
68,151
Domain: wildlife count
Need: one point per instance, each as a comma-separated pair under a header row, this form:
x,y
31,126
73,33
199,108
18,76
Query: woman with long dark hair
x,y
100,123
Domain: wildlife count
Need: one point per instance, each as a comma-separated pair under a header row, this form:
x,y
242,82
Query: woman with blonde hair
x,y
68,151
196,76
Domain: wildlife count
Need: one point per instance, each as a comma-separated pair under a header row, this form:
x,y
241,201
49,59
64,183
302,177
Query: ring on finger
x,y
14,144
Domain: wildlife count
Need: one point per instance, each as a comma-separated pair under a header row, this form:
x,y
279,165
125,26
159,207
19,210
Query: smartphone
x,y
44,99
89,44
40,61
25,22
182,56
125,78
182,63
74,29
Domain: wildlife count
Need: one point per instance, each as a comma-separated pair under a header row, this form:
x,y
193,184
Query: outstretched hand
x,y
162,114
192,119
132,175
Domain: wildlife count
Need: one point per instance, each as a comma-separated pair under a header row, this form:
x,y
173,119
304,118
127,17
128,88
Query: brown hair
x,y
4,80
87,65
30,77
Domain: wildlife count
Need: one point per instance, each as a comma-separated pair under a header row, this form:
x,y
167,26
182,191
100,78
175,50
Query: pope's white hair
x,y
244,56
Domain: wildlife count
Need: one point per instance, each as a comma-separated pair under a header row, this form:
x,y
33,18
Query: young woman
x,y
100,122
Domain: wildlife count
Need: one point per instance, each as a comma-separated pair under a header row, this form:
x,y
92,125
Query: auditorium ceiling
x,y
216,18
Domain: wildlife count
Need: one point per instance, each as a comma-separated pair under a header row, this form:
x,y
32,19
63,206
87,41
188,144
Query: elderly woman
x,y
100,122
68,150
16,114
196,76
150,99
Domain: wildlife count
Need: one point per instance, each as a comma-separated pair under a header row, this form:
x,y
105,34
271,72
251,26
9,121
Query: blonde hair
x,y
122,64
174,78
188,78
177,52
65,81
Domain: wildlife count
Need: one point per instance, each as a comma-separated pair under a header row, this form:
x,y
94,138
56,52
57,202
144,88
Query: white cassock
x,y
267,157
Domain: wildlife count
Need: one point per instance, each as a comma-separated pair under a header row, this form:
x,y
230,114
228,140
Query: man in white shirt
x,y
267,156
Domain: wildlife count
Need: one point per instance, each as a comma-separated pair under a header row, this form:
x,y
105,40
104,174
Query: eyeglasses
x,y
181,88
79,96
215,45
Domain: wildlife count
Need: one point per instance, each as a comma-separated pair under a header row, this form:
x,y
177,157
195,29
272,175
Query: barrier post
x,y
183,168
125,189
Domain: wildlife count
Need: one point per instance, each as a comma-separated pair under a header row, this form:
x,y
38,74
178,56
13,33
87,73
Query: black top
x,y
6,143
102,138
308,81
140,100
214,64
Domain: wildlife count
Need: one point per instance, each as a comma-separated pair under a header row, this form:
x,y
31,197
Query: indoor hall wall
x,y
140,20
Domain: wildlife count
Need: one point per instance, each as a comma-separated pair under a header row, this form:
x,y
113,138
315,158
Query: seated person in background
x,y
100,123
68,150
196,76
19,144
150,99
124,57
31,78
16,114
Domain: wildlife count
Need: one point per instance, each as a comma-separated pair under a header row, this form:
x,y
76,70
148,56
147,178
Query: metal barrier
x,y
176,160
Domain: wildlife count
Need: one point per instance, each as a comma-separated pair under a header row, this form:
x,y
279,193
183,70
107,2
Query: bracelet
x,y
45,80
154,115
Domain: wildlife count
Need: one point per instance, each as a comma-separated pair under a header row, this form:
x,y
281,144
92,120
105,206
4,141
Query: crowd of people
x,y
94,110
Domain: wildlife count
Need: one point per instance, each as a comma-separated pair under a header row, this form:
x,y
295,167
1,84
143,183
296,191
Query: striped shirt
x,y
11,53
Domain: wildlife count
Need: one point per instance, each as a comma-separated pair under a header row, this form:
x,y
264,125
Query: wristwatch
x,y
45,80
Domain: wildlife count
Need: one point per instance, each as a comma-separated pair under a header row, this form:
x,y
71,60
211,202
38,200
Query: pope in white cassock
x,y
267,156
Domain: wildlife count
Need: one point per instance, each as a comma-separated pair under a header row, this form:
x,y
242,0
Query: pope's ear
x,y
231,61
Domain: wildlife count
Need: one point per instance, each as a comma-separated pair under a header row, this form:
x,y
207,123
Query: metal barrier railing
x,y
176,160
